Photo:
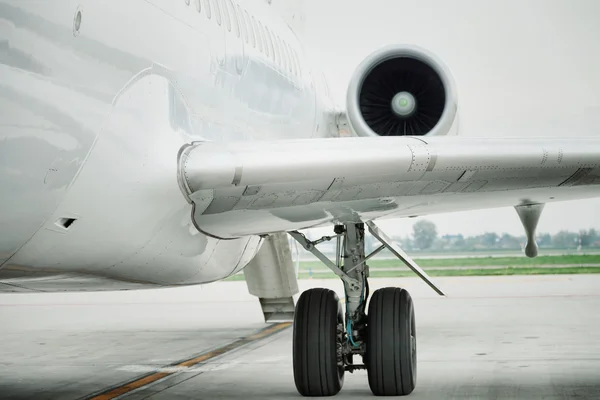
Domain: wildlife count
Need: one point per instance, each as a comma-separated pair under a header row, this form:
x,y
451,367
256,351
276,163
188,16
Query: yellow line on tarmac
x,y
153,377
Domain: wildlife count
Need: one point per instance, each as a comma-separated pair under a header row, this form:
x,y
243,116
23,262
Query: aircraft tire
x,y
315,343
391,355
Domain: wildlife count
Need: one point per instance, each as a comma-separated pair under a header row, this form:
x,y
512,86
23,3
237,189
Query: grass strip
x,y
475,261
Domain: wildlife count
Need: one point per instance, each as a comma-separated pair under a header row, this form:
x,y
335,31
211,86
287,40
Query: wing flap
x,y
257,187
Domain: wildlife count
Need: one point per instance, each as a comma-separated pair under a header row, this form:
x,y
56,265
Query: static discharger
x,y
530,216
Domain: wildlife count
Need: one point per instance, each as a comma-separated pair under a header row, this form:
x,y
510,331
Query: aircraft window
x,y
250,29
207,8
292,61
273,46
275,49
226,15
280,46
286,56
276,54
296,63
234,18
279,52
217,11
243,24
198,5
269,42
257,34
265,39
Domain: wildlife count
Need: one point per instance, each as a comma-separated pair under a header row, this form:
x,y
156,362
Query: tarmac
x,y
507,337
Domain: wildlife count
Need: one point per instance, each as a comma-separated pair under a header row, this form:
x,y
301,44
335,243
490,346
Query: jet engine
x,y
402,90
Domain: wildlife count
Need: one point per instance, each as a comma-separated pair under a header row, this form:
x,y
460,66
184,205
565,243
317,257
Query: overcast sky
x,y
522,68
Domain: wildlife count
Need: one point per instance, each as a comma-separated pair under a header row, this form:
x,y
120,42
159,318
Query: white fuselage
x,y
96,99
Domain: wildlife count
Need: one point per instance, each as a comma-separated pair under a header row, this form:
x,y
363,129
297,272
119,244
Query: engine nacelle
x,y
402,90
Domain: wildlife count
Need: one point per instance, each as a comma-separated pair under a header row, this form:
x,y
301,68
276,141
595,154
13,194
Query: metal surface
x,y
309,246
403,104
338,249
356,121
305,183
355,268
529,214
92,115
271,277
373,253
405,258
354,273
281,309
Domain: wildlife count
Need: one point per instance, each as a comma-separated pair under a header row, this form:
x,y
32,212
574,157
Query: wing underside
x,y
258,187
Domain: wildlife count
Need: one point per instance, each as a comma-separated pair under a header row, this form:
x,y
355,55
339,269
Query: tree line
x,y
425,237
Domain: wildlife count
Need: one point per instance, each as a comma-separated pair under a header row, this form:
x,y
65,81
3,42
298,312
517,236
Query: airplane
x,y
161,143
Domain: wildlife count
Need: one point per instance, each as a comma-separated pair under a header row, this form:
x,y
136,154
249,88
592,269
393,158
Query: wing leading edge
x,y
257,187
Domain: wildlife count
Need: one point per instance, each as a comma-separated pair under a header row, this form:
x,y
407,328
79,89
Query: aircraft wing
x,y
258,187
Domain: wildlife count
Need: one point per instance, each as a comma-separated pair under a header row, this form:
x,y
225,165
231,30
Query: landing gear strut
x,y
326,340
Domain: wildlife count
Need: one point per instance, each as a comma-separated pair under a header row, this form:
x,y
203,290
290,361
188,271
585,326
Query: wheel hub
x,y
404,104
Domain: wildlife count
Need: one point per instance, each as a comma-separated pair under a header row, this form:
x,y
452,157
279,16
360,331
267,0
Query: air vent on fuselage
x,y
65,222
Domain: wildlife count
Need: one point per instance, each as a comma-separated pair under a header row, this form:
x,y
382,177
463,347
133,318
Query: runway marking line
x,y
137,383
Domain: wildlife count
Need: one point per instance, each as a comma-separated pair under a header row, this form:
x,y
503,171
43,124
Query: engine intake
x,y
401,90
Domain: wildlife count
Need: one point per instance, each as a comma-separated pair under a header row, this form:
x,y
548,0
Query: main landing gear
x,y
326,339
